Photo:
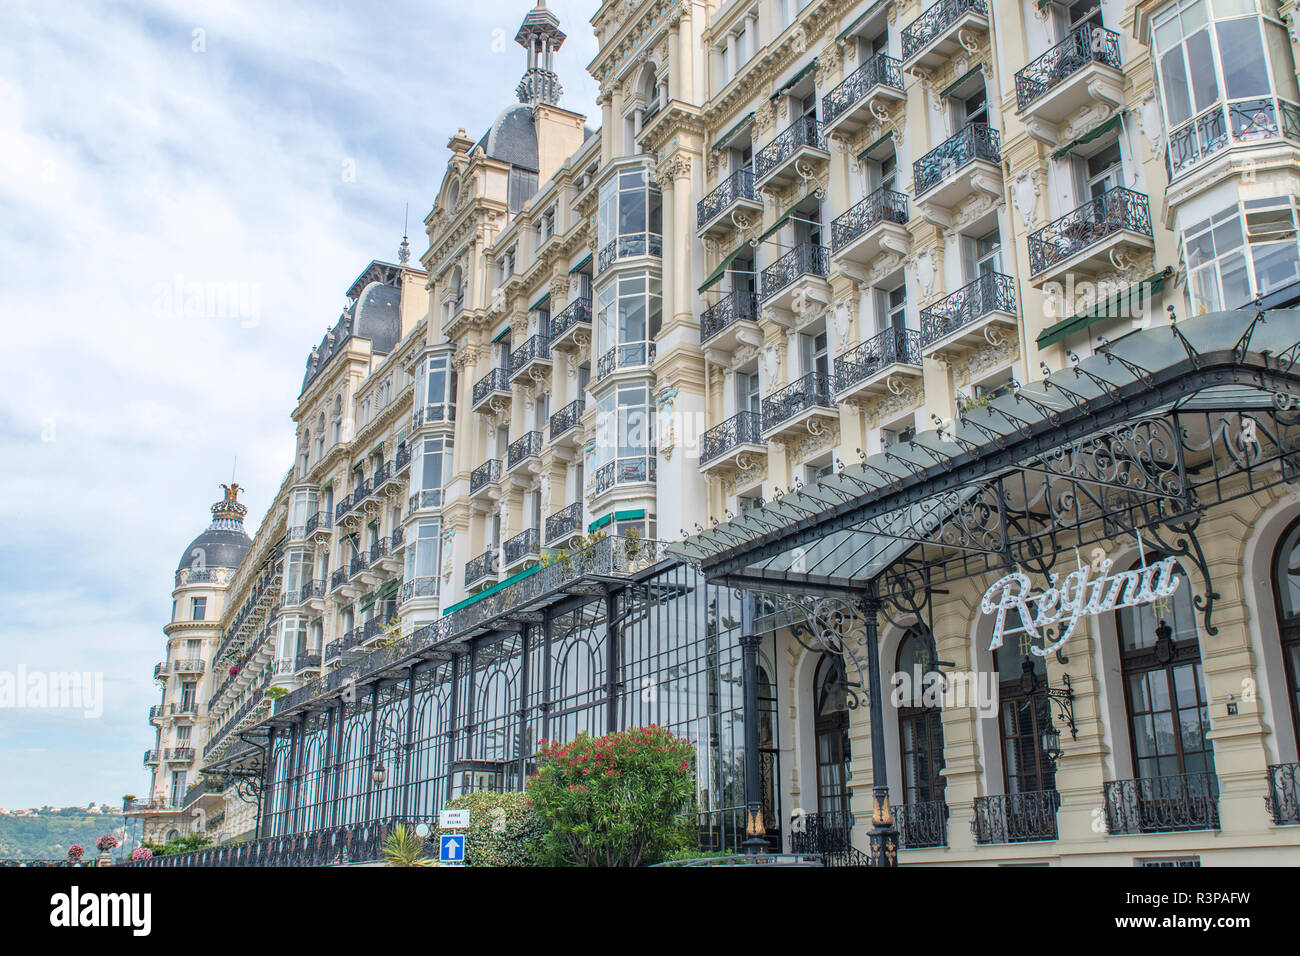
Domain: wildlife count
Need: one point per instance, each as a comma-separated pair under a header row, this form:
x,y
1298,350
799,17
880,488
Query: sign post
x,y
451,846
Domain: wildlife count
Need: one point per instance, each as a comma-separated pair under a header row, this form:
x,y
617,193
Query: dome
x,y
224,543
513,138
377,317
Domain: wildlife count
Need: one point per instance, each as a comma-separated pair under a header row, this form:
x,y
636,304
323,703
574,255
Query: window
x,y
435,387
424,554
1243,251
434,464
748,396
831,717
816,354
920,724
1024,715
1104,171
629,311
625,436
893,308
988,255
198,608
631,216
189,689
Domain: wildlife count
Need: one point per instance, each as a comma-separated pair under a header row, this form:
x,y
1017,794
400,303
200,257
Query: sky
x,y
263,148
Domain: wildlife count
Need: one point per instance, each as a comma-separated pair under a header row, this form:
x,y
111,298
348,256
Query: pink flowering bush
x,y
76,852
106,842
140,854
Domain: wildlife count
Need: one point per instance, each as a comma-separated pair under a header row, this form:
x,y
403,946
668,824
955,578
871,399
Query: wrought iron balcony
x,y
885,205
379,549
1016,817
570,416
627,247
810,392
486,474
1087,43
1113,213
575,315
922,824
882,350
1283,800
494,382
535,350
418,588
623,472
361,491
157,711
151,756
1245,121
179,753
1188,801
188,665
402,459
939,20
334,650
338,577
739,306
735,189
804,259
632,355
342,508
743,428
306,662
975,141
383,472
845,107
481,568
829,835
426,499
777,160
318,522
356,565
990,293
564,523
160,671
310,590
522,546
520,450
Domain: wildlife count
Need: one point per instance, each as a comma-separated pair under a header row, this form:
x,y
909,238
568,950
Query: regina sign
x,y
1077,595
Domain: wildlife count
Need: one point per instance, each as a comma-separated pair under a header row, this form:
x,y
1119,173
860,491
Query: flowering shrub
x,y
620,800
503,829
140,854
76,852
106,842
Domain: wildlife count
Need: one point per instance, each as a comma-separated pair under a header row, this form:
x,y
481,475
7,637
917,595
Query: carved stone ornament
x,y
1024,195
926,269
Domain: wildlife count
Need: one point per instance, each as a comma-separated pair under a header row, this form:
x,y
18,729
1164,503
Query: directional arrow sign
x,y
451,848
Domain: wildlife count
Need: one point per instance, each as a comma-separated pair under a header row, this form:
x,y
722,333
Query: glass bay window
x,y
630,220
1245,250
629,311
625,437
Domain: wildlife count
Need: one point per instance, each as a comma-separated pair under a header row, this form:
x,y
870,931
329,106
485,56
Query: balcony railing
x,y
1116,210
356,565
739,185
342,508
307,661
530,446
570,416
484,566
401,459
743,428
188,665
991,292
829,835
739,306
974,141
811,391
622,472
883,205
922,824
334,649
379,549
312,589
428,498
632,355
316,521
338,577
488,473
625,247
1283,800
803,132
935,20
1016,817
1188,801
418,588
179,753
521,546
536,348
383,471
881,70
432,414
1238,121
576,312
1088,43
361,491
497,380
803,260
890,347
151,756
564,522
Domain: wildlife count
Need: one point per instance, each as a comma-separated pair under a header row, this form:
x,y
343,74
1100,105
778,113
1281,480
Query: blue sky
x,y
266,146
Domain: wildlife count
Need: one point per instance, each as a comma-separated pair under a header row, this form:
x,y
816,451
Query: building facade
x,y
807,237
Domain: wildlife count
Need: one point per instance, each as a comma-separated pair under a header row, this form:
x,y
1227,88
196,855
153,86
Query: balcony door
x,y
1077,14
1024,715
816,353
748,397
969,107
830,696
1100,173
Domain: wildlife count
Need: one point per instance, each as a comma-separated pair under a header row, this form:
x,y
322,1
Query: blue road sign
x,y
451,848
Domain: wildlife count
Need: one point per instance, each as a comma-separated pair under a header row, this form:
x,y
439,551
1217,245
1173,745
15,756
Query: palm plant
x,y
403,847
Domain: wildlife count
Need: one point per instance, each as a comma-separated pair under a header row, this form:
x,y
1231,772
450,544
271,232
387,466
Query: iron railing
x,y
632,355
522,545
312,589
485,565
418,587
383,471
577,311
806,131
402,458
803,260
316,520
881,70
991,292
922,824
308,661
338,577
811,391
488,473
624,471
379,549
536,348
566,521
570,416
739,306
1087,43
974,141
520,450
334,649
1188,801
828,835
497,380
883,205
743,428
739,185
890,347
937,18
1016,817
625,247
1237,121
1116,210
354,843
356,565
427,498
341,509
1283,800
188,665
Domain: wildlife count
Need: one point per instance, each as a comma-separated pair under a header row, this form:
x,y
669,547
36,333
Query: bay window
x,y
433,466
1248,249
629,311
435,388
625,439
423,553
630,221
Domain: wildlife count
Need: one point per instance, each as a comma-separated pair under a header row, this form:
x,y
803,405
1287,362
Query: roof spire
x,y
404,250
541,36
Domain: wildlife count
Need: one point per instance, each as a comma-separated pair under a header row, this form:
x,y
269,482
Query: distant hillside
x,y
48,834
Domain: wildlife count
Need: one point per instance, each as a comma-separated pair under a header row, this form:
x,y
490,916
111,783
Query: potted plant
x,y
105,845
75,853
140,854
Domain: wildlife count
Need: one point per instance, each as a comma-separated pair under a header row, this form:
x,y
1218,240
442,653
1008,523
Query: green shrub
x,y
503,829
620,800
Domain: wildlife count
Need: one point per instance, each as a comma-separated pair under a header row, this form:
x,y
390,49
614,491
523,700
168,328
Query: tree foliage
x,y
503,829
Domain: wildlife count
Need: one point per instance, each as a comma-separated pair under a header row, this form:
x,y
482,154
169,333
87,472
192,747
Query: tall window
x,y
629,312
830,697
1164,688
920,725
424,553
198,608
625,435
1286,590
435,387
1024,715
631,214
1245,250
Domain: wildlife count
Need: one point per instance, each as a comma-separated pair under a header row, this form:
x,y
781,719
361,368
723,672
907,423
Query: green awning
x,y
368,601
630,515
504,333
1089,136
794,79
858,22
599,523
585,262
493,589
1109,308
389,589
722,140
872,148
779,222
947,90
716,274
540,302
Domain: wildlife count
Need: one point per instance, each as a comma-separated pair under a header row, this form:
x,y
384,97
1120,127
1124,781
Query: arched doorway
x,y
920,729
831,729
1286,592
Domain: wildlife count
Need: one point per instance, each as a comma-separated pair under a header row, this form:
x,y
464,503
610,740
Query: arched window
x,y
920,727
831,707
1286,591
1024,715
1164,687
